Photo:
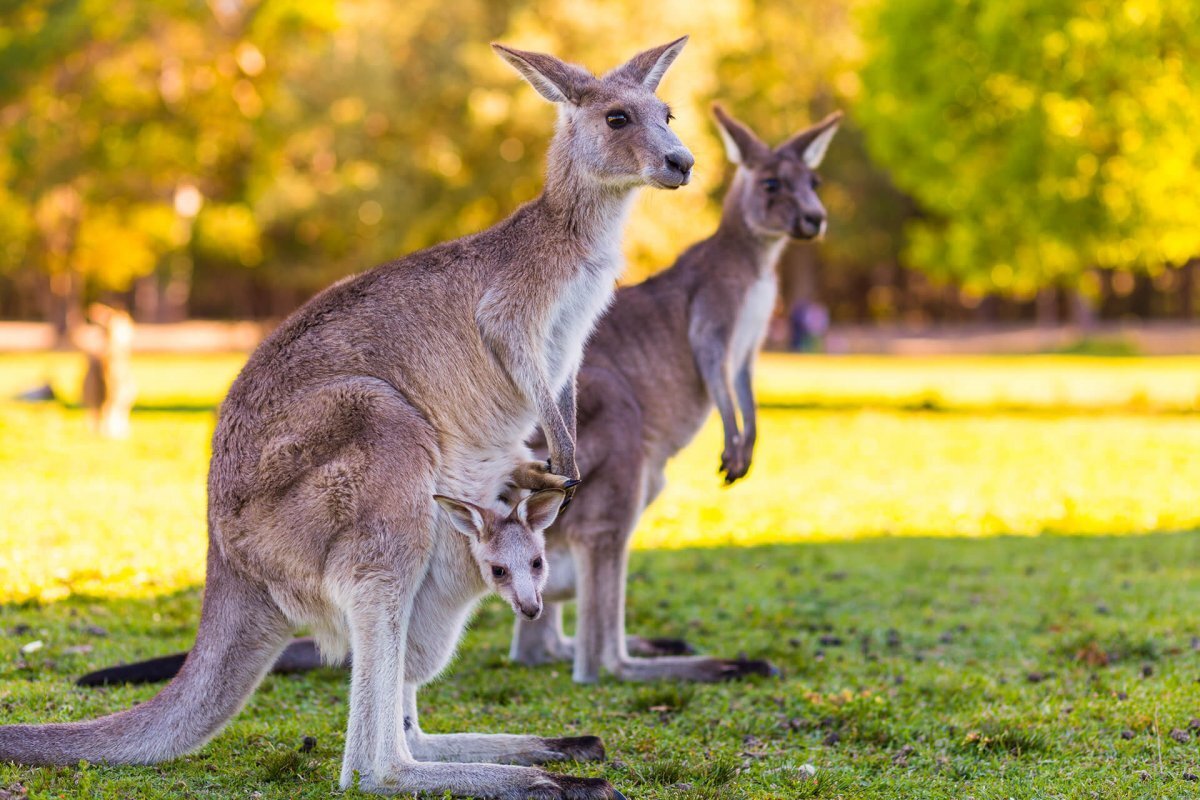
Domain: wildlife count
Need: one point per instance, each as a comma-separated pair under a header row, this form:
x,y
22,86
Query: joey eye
x,y
536,563
815,182
617,119
771,185
499,572
670,117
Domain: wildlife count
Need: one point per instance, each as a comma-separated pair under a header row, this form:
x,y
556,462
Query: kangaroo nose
x,y
681,161
531,610
811,224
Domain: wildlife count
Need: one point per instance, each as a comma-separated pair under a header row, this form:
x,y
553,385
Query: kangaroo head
x,y
775,190
510,550
612,130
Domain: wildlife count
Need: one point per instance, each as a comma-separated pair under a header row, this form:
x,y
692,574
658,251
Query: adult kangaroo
x,y
668,350
420,377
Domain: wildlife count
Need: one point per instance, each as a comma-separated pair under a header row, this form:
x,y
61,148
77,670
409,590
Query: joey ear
x,y
555,80
742,146
648,67
540,509
466,517
811,143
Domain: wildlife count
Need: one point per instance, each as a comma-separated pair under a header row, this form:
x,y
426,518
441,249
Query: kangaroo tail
x,y
301,655
152,670
241,632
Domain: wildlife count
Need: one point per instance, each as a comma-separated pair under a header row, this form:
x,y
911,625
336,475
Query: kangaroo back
x,y
241,633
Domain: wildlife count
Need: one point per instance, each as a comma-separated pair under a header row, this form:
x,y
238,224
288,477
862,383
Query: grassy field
x,y
927,652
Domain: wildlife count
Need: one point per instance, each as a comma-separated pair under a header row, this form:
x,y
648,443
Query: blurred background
x,y
1017,177
1002,163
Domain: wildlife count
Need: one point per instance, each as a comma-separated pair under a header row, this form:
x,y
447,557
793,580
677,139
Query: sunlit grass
x,y
913,667
983,383
127,518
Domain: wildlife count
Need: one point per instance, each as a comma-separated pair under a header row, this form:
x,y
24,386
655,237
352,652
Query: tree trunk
x,y
1187,288
64,307
1046,307
1082,310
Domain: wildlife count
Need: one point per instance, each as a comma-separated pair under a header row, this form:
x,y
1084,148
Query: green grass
x,y
925,652
909,672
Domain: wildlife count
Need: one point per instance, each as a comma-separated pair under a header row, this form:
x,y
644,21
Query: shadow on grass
x,y
818,599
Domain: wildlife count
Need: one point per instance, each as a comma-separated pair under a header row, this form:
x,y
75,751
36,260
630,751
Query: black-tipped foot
x,y
658,646
578,748
735,669
568,787
585,788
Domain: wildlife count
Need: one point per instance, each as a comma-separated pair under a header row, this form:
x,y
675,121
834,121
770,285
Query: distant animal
x,y
670,349
420,377
109,390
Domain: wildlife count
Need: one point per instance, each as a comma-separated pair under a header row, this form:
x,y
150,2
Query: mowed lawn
x,y
931,644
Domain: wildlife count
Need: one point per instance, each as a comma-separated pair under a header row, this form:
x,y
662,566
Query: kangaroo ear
x,y
648,67
466,517
555,80
540,509
742,146
811,143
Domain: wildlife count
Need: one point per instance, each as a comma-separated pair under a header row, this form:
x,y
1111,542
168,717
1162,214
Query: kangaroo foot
x,y
656,647
693,668
569,787
733,669
577,748
485,781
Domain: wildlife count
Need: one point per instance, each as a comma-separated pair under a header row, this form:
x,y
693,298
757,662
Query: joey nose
x,y
531,611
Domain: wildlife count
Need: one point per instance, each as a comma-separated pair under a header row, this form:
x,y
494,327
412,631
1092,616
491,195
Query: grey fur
x,y
419,377
669,350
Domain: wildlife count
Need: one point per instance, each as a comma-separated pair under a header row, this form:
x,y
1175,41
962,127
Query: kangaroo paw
x,y
536,475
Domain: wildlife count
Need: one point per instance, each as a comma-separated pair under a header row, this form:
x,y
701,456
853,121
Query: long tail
x,y
241,632
301,655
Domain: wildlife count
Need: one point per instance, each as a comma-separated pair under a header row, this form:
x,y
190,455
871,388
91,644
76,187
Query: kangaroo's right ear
x,y
466,517
555,80
741,145
540,509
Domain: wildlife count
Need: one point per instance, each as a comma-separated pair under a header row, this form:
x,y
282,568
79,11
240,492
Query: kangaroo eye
x,y
771,185
617,119
537,563
499,572
815,182
670,117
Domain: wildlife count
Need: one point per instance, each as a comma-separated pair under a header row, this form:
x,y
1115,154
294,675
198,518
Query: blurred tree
x,y
1045,138
121,118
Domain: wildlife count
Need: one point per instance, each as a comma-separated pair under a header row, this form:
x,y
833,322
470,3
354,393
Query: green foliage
x,y
1044,137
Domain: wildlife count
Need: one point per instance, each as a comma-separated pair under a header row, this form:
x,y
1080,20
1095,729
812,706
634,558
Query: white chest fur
x,y
583,301
755,315
586,295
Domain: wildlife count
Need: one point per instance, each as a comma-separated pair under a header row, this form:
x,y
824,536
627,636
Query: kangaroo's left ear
x,y
467,518
811,143
540,509
649,66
